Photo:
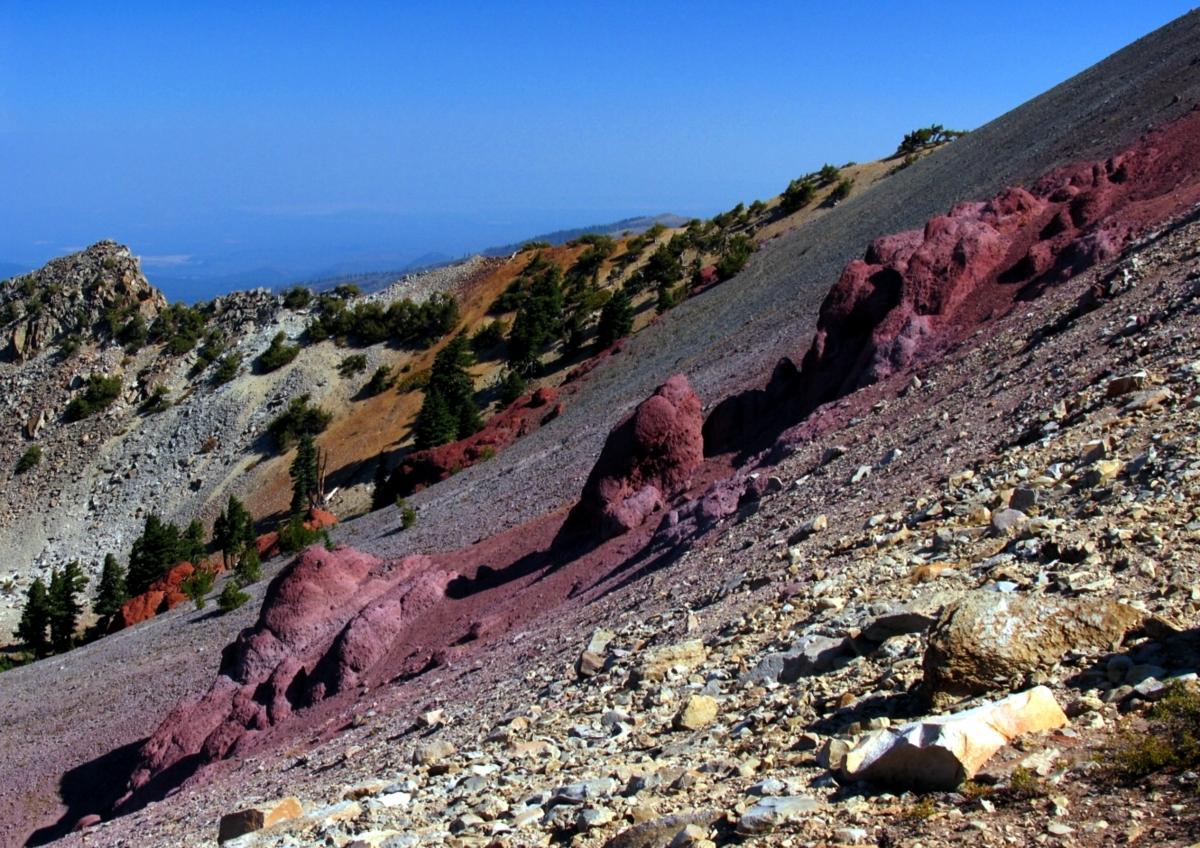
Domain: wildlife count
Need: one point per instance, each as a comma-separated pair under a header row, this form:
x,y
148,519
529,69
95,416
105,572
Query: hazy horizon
x,y
218,151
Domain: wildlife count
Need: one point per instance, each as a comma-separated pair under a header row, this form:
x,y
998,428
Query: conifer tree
x,y
111,593
64,605
450,378
153,553
434,424
616,319
304,474
233,530
35,618
379,497
191,547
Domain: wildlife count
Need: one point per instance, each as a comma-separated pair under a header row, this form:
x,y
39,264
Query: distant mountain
x,y
626,225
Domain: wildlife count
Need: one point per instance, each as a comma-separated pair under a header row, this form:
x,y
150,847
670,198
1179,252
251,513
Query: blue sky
x,y
290,138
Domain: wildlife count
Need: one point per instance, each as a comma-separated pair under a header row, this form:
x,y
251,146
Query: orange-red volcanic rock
x,y
522,416
164,594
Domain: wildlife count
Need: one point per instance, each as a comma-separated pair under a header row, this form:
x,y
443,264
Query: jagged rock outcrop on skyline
x,y
71,295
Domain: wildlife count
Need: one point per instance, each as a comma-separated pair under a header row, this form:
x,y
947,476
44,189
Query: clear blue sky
x,y
223,137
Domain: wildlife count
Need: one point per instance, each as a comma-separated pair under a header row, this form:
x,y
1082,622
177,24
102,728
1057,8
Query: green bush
x,y
616,320
1171,739
295,537
98,395
355,363
828,175
512,386
403,323
278,354
297,297
227,368
156,402
31,457
179,328
197,586
380,381
249,567
799,193
736,255
489,336
842,190
408,515
231,597
300,417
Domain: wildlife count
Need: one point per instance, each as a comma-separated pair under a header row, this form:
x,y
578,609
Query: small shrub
x,y
278,354
799,193
408,515
1171,739
97,396
69,347
1024,783
842,190
31,457
416,381
355,363
227,369
249,567
380,381
156,402
231,597
198,585
300,417
512,386
828,175
297,297
489,336
923,809
295,537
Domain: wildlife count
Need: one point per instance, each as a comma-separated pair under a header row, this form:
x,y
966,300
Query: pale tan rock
x,y
657,662
943,751
988,638
699,711
258,817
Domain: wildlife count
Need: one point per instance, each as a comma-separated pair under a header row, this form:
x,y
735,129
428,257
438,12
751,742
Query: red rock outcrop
x,y
164,594
647,459
521,417
915,292
328,619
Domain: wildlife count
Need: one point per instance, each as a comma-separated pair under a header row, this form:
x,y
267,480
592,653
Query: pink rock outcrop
x,y
328,620
647,459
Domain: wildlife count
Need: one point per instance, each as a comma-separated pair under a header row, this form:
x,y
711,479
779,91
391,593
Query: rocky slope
x,y
1015,456
1019,514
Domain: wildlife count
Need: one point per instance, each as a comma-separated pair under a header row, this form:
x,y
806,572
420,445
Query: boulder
x,y
811,654
940,752
987,640
698,712
655,663
647,459
770,813
258,817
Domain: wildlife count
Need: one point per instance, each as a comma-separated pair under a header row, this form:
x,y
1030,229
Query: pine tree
x,y
249,567
191,547
511,387
111,593
35,617
304,474
450,378
434,424
379,497
153,554
64,604
616,319
233,530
